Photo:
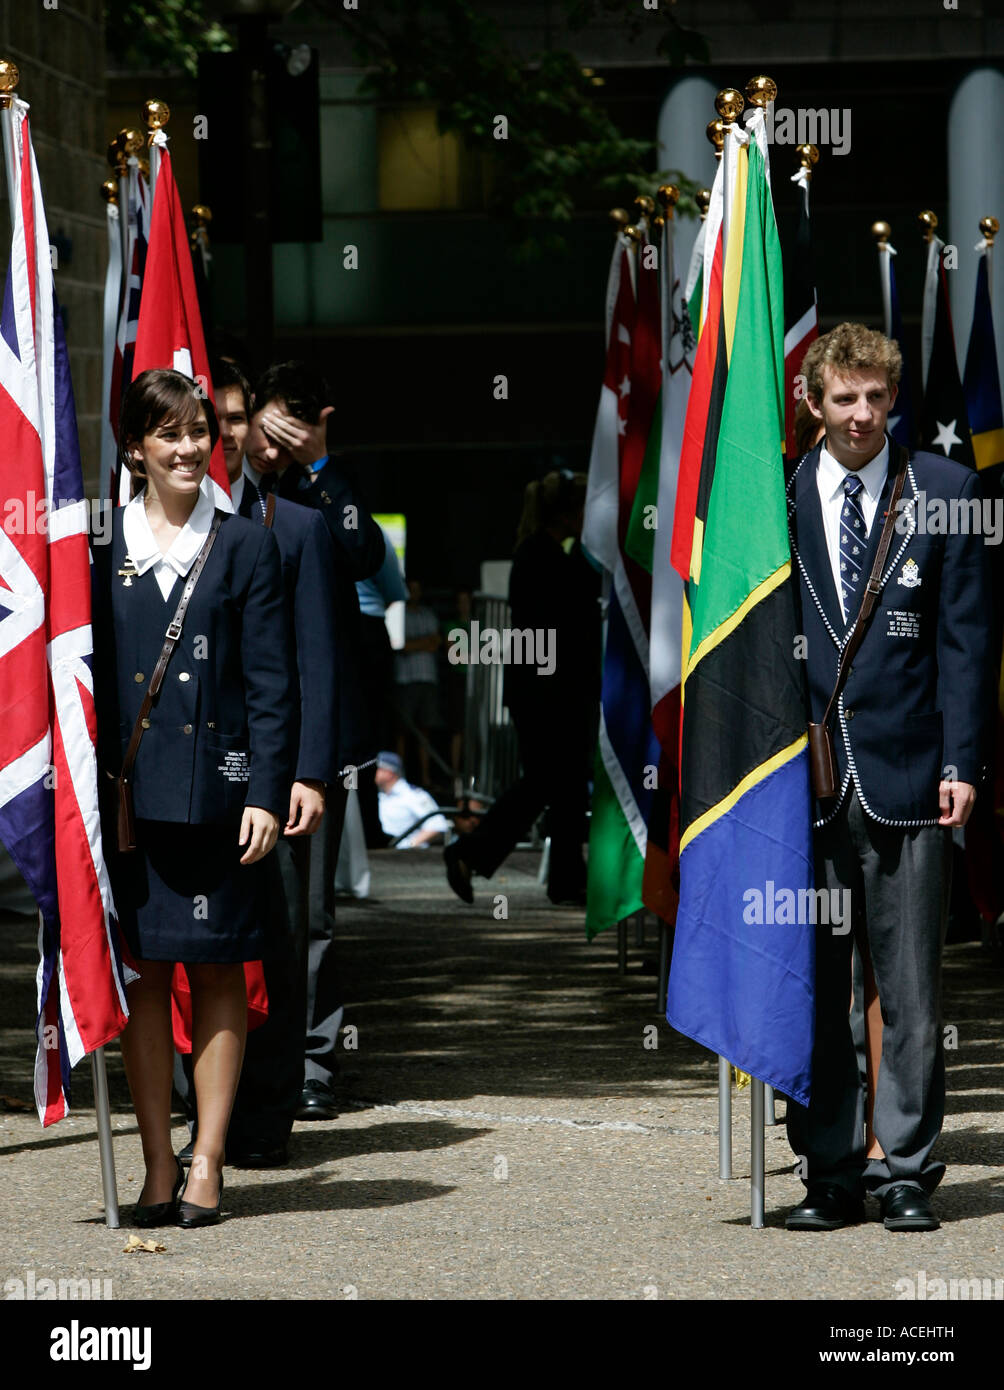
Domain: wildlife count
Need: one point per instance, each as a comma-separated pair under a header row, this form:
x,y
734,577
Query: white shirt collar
x,y
237,491
141,544
872,475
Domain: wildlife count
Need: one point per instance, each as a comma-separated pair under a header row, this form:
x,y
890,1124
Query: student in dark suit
x,y
268,1096
908,740
211,775
288,438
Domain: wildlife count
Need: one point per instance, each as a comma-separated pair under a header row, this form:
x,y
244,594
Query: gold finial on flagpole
x,y
989,227
620,217
929,221
204,215
110,191
644,205
729,104
761,90
156,114
634,234
668,195
116,157
703,200
881,231
808,155
716,134
130,140
9,78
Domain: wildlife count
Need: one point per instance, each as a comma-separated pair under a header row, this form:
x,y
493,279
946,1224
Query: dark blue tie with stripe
x,y
852,543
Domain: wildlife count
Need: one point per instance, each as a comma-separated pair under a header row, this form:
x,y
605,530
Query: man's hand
x,y
306,808
304,443
957,800
259,827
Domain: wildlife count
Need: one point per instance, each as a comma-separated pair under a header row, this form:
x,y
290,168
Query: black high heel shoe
x,y
159,1213
190,1215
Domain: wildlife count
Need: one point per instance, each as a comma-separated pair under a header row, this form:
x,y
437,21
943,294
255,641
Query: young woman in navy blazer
x,y
211,777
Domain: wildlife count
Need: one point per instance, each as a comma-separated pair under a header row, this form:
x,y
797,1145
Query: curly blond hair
x,y
851,347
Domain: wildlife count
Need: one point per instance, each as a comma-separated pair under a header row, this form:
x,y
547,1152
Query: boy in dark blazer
x,y
288,442
908,738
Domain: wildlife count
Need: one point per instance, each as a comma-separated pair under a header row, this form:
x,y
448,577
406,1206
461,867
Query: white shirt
x,y
237,487
401,807
142,548
830,477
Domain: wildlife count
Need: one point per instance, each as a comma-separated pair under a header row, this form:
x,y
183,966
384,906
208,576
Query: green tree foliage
x,y
157,35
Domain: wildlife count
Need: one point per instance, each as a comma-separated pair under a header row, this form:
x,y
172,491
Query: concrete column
x,y
975,189
682,143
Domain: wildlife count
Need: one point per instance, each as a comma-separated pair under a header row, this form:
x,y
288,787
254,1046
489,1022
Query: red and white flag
x,y
49,818
170,325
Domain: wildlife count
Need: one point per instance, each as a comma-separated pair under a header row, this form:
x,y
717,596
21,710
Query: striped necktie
x,y
852,543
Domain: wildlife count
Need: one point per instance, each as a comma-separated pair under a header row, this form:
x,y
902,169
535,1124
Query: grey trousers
x,y
899,881
325,1004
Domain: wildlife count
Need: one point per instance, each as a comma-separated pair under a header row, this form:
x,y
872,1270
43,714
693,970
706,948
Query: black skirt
x,y
183,895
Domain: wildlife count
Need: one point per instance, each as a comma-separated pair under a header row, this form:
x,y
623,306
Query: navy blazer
x,y
358,553
220,732
308,578
914,707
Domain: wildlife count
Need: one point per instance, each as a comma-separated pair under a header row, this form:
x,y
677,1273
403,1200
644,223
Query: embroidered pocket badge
x,y
910,578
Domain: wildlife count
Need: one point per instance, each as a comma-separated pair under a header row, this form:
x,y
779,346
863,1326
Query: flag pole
x,y
156,114
112,301
881,231
9,77
729,104
989,227
762,91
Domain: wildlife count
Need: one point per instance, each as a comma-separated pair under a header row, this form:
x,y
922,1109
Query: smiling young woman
x,y
209,767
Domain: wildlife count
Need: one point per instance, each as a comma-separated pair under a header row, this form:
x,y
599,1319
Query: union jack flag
x,y
49,819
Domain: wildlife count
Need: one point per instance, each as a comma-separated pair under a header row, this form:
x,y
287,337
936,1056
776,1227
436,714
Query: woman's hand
x,y
259,827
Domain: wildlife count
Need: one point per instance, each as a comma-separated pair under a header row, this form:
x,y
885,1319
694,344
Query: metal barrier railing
x,y
491,754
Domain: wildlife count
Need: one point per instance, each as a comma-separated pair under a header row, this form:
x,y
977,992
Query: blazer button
x,y
139,676
184,676
187,729
145,723
849,713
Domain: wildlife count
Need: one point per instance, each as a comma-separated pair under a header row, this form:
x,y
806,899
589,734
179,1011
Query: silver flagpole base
x,y
724,1119
756,1154
104,1119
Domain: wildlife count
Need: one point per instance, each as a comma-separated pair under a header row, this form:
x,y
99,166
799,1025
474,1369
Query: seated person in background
x,y
401,805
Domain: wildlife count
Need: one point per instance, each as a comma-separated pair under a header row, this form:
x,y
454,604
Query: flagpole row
x,y
724,1119
881,231
9,78
156,113
757,1164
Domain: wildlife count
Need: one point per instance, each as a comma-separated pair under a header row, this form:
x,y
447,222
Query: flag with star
x,y
944,425
741,991
982,383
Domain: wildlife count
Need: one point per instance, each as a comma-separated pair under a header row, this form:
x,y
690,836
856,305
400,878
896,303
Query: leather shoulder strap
x,y
269,511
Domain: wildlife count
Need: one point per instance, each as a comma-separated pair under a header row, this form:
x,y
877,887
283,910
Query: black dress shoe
x,y
317,1102
190,1215
258,1155
458,873
907,1208
827,1207
159,1213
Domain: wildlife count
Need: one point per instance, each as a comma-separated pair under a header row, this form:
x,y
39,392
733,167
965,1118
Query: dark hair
x,y
227,371
300,387
154,397
549,498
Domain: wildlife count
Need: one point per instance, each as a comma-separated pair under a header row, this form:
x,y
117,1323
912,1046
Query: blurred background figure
x,y
401,805
416,674
552,588
376,675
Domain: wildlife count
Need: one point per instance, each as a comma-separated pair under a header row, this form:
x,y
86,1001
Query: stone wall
x,y
60,53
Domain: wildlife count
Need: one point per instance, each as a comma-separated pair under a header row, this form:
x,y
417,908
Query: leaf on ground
x,y
134,1244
